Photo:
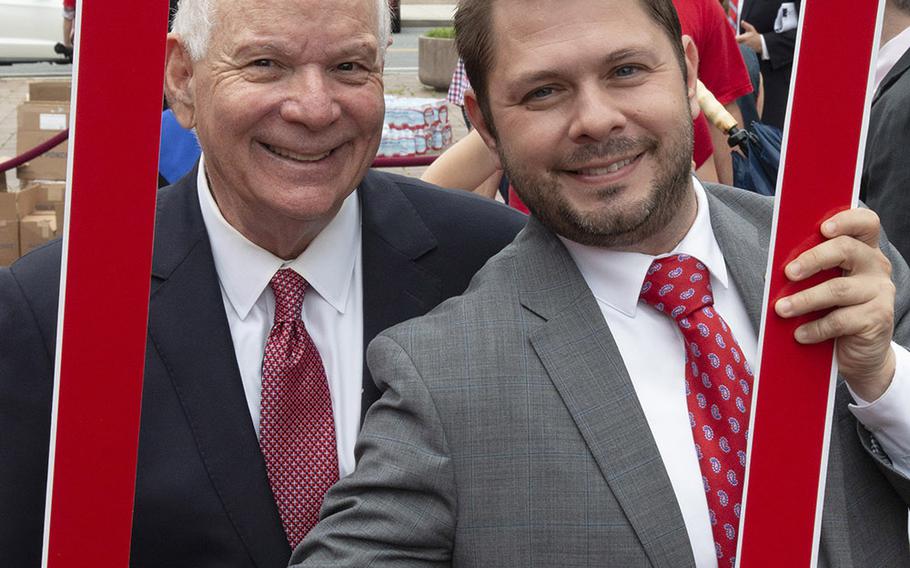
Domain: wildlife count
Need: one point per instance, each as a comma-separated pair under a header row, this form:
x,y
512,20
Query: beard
x,y
610,227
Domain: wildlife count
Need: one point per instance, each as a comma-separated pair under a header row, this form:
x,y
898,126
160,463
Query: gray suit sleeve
x,y
901,277
398,507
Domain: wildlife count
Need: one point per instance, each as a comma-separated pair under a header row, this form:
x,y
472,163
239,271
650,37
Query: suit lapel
x,y
395,287
188,330
901,67
577,350
744,246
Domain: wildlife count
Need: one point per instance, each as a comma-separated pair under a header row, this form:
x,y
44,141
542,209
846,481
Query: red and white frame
x,y
821,166
104,291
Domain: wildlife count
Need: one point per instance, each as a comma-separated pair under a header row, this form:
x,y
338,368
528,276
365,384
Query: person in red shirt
x,y
723,72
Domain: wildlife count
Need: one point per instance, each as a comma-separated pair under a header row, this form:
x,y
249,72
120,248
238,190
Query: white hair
x,y
194,19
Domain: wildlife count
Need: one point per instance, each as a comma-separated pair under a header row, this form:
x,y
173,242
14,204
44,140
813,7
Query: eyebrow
x,y
612,58
348,46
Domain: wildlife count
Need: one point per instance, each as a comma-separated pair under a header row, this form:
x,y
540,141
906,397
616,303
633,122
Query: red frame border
x,y
105,278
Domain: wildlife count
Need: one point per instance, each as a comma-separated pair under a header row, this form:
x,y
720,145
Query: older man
x,y
276,261
586,402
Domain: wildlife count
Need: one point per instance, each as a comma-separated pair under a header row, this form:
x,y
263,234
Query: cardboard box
x,y
50,197
49,193
50,90
58,213
14,205
36,229
9,241
38,121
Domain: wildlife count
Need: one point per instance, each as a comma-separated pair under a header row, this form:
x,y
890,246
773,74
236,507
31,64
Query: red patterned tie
x,y
718,387
296,426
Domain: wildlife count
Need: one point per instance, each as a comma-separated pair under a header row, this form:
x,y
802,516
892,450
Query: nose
x,y
310,100
597,114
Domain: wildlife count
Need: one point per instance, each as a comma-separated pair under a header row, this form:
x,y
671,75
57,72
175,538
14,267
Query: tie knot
x,y
289,288
677,286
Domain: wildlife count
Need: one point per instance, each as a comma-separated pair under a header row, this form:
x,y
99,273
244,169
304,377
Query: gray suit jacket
x,y
886,170
509,433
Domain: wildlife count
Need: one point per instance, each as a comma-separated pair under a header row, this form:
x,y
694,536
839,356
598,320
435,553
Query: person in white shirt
x,y
886,170
584,402
277,260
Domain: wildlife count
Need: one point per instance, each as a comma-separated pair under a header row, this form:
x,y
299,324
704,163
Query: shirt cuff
x,y
764,48
888,417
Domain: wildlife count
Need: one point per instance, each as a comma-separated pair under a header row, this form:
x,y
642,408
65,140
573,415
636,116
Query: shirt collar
x,y
245,269
615,277
889,54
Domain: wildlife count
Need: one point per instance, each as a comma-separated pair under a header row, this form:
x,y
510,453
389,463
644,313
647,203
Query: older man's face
x,y
288,106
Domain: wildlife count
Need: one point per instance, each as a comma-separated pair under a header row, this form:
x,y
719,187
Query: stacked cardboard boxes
x,y
34,215
42,116
42,215
29,218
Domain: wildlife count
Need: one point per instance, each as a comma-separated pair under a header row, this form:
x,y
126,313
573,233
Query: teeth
x,y
295,156
615,167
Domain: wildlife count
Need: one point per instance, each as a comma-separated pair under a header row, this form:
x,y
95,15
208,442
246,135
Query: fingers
x,y
861,224
862,299
871,322
748,27
843,291
852,245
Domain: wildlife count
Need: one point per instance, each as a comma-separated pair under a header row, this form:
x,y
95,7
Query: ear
x,y
178,82
691,54
480,124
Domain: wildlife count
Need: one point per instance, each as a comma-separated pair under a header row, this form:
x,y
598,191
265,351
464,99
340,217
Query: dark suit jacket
x,y
886,170
202,495
777,70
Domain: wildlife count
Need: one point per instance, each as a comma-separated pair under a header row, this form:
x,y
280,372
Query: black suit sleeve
x,y
26,377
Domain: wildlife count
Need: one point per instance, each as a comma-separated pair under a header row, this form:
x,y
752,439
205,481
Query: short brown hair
x,y
474,38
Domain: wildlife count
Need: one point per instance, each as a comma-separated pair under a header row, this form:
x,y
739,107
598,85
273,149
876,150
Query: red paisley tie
x,y
296,425
718,389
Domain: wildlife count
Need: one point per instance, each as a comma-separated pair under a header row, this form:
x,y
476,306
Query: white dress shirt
x,y
615,279
889,54
332,308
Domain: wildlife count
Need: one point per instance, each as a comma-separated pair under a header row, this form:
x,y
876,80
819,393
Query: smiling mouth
x,y
606,170
288,154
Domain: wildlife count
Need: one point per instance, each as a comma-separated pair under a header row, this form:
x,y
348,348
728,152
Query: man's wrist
x,y
870,390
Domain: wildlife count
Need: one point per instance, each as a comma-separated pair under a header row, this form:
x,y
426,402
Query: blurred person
x,y
586,401
723,72
69,21
886,169
276,260
769,27
457,87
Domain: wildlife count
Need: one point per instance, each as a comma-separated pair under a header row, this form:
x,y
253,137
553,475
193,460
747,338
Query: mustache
x,y
609,149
